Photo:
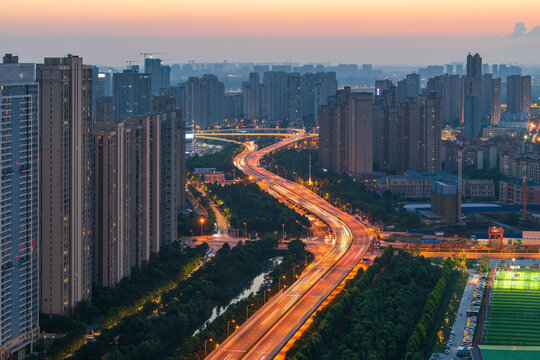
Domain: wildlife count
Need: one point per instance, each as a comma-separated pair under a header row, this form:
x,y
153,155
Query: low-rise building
x,y
218,176
210,174
478,189
411,184
414,185
444,199
511,192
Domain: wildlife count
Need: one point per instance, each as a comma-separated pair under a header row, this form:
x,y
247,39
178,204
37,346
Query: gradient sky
x,y
31,23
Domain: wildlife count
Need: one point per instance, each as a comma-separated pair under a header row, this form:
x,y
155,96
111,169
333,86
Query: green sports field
x,y
514,314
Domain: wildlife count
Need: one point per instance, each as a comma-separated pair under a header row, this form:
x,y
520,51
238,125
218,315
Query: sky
x,y
357,31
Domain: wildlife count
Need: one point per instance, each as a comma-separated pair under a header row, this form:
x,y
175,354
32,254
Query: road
x,y
458,328
267,331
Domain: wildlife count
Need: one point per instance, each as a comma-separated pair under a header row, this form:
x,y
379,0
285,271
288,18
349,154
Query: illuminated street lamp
x,y
245,229
283,277
209,340
283,225
202,222
247,311
264,295
229,323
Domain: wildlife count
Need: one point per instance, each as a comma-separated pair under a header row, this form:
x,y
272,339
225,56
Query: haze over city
x,y
420,31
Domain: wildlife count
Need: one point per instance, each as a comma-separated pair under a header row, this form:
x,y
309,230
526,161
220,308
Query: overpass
x,y
284,132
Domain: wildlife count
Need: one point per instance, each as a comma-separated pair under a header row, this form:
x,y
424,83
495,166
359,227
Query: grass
x,y
450,304
514,313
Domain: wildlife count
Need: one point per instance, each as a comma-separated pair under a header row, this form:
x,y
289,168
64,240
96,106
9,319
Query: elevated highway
x,y
269,329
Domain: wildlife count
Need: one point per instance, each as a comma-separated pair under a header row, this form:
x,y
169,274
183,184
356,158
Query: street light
x,y
209,340
283,225
294,271
202,222
228,323
283,277
264,295
245,229
247,311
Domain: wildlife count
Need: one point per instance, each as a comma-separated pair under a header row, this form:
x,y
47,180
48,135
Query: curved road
x,y
269,329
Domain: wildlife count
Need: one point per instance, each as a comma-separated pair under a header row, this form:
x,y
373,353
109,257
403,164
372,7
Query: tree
x,y
484,264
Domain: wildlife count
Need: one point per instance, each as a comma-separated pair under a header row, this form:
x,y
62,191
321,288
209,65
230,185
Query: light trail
x,y
267,331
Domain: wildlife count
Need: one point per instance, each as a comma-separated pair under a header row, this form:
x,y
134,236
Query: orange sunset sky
x,y
261,17
356,31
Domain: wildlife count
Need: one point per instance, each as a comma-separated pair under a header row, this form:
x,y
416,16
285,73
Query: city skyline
x,y
382,51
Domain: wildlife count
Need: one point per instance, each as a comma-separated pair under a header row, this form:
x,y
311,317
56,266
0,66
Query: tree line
x,y
426,322
173,264
166,323
294,262
340,189
221,160
245,203
373,316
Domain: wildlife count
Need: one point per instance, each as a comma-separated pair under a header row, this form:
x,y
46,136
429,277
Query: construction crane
x,y
130,62
149,54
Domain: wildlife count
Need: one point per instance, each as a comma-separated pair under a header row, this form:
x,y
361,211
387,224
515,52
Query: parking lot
x,y
463,328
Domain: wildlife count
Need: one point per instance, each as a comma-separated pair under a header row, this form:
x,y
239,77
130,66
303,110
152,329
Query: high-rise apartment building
x,y
163,146
360,133
519,94
425,135
233,107
179,93
384,113
132,93
325,85
471,114
274,96
112,206
161,75
448,88
293,97
472,84
205,101
252,97
491,100
101,86
104,110
333,131
66,197
408,87
19,195
172,163
346,132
